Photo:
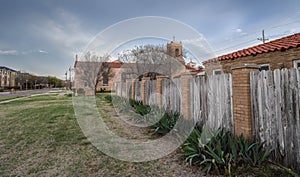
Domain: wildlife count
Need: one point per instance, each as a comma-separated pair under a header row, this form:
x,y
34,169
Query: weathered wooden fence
x,y
171,97
211,101
118,88
129,89
275,106
123,86
275,100
150,88
211,98
138,91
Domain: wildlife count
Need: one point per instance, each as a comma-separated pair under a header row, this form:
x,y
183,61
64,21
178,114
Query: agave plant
x,y
221,151
251,152
165,124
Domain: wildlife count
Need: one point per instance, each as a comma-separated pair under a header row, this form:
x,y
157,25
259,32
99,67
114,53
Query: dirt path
x,y
172,164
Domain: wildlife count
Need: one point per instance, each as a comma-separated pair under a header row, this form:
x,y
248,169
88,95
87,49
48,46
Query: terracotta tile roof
x,y
6,68
281,44
113,64
193,69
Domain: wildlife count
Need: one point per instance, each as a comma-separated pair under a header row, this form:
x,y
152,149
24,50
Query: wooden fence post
x,y
159,80
185,94
121,89
128,82
242,99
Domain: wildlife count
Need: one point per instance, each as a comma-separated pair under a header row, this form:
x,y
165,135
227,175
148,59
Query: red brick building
x,y
122,70
276,54
7,77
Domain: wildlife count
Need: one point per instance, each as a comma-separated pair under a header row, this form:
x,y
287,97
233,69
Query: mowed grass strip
x,y
9,98
39,136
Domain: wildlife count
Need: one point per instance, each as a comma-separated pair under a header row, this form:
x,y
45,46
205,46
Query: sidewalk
x,y
29,93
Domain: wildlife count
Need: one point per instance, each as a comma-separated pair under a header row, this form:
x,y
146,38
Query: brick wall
x,y
242,100
277,60
185,94
209,67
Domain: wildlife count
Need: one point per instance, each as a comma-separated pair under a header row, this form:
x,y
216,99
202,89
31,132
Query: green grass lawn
x,y
9,98
40,136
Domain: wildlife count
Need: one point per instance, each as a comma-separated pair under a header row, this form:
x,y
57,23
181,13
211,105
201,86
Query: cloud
x,y
64,30
42,51
239,30
30,52
199,47
195,40
9,52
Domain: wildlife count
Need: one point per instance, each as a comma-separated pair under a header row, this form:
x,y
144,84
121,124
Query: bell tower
x,y
174,49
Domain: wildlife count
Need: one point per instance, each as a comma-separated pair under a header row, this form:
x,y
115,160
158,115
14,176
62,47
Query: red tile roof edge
x,y
284,43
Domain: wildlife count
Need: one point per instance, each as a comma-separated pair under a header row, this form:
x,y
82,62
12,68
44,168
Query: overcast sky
x,y
42,37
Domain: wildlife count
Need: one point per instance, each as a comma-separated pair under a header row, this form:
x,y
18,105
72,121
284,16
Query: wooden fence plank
x,y
138,91
211,104
275,100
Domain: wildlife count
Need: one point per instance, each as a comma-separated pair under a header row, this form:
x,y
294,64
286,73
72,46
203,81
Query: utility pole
x,y
70,71
66,82
263,38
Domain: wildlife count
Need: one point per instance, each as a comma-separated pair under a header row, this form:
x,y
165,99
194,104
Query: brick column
x,y
186,94
159,80
242,99
133,89
144,94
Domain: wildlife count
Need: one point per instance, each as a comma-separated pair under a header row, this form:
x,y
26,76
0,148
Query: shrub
x,y
80,91
139,108
165,123
161,123
108,98
68,95
252,152
221,152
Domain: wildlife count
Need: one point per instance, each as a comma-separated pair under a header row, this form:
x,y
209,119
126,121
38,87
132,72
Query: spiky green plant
x,y
221,152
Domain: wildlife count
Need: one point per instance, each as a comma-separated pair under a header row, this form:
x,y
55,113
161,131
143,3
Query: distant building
x,y
276,54
192,64
120,71
7,77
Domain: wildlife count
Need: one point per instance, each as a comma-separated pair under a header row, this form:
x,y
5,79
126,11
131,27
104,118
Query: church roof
x,y
6,68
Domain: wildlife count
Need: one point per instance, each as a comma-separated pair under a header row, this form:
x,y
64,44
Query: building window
x,y
176,52
85,84
217,71
105,79
297,64
264,67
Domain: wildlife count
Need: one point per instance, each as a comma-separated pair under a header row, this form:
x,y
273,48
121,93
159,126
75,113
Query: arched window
x,y
177,52
105,79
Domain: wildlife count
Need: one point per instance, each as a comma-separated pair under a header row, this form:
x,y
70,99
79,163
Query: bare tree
x,y
149,61
104,73
88,71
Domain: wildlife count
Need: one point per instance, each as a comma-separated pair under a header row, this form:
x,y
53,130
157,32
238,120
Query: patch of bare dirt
x,y
173,164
